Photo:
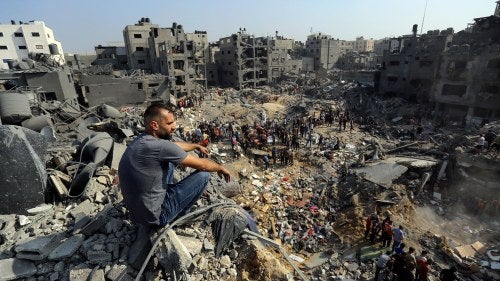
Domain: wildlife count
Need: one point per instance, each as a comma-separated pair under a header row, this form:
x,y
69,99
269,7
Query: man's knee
x,y
204,176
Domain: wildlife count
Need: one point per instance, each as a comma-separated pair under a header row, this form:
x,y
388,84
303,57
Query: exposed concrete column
x,y
469,116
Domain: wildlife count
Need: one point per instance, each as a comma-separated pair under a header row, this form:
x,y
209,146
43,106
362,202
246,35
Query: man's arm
x,y
203,164
192,146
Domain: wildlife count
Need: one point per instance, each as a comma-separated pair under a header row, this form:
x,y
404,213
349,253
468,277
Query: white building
x,y
17,40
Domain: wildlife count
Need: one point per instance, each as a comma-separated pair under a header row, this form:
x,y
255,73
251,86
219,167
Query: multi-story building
x,y
18,40
114,55
180,56
136,39
326,50
243,60
467,86
364,45
410,69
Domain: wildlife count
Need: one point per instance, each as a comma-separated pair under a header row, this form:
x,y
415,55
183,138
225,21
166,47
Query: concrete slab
x,y
22,169
317,259
13,268
118,150
67,248
39,248
381,173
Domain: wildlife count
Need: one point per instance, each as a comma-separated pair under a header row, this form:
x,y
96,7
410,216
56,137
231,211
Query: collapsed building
x,y
180,56
244,60
457,72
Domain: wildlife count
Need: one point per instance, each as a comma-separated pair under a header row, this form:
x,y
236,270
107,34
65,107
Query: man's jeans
x,y
182,195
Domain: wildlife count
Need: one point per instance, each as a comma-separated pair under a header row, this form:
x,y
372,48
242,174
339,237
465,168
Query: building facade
x,y
18,40
136,39
467,86
326,50
410,69
243,60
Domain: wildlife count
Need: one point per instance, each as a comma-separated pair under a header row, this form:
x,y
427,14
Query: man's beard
x,y
164,135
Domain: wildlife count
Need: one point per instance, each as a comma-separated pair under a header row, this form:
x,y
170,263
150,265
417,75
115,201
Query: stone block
x,y
67,248
192,244
172,254
38,248
94,225
98,257
81,274
13,268
97,275
117,272
86,207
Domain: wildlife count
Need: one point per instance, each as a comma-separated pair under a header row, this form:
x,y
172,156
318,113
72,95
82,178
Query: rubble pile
x,y
305,205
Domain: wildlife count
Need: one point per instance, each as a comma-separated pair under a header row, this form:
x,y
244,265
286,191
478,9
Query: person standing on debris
x,y
386,233
375,227
146,171
420,260
397,237
423,270
382,263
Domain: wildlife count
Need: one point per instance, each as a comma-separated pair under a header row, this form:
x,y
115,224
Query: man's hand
x,y
223,172
203,150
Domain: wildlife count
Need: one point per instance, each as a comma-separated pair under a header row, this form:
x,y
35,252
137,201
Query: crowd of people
x,y
399,263
280,138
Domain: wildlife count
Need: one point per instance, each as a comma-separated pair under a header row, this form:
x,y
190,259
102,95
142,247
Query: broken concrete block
x,y
38,248
81,274
22,169
97,257
192,244
15,269
117,272
40,209
94,225
114,225
207,245
172,254
225,261
86,207
67,248
97,275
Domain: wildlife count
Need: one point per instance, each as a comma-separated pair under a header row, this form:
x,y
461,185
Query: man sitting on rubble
x,y
146,171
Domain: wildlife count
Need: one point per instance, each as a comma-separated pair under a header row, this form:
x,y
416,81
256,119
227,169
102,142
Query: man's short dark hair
x,y
153,112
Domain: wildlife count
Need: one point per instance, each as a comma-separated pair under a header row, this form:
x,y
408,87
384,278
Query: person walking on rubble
x,y
397,237
146,171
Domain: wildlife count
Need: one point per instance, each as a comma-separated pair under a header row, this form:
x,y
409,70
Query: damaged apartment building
x,y
244,60
458,72
180,56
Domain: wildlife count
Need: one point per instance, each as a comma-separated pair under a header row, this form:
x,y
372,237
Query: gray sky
x,y
82,24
